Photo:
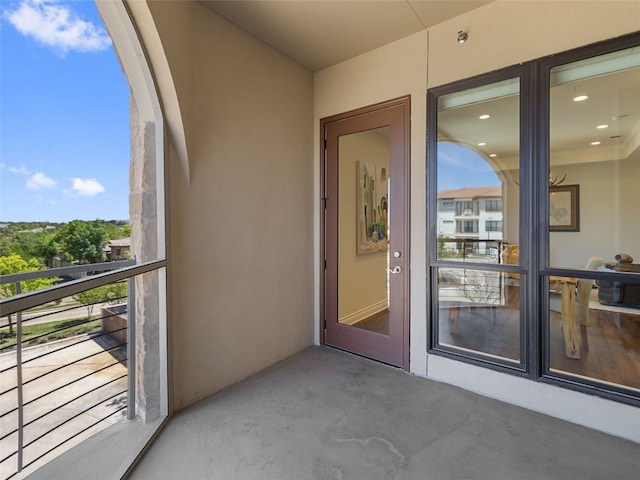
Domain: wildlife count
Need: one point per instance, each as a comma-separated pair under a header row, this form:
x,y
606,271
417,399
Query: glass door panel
x,y
363,230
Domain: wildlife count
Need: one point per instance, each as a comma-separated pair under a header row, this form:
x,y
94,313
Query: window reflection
x,y
478,166
589,337
594,323
479,311
595,151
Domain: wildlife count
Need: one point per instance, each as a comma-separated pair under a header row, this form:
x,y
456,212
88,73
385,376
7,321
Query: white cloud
x,y
39,181
57,26
87,187
22,170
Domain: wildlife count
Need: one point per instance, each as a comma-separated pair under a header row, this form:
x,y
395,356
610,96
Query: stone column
x,y
143,210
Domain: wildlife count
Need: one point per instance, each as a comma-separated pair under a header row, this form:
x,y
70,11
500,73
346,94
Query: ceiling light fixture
x,y
600,127
492,155
580,98
482,144
484,117
595,143
462,37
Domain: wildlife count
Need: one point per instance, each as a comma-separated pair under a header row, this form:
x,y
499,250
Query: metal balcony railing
x,y
64,364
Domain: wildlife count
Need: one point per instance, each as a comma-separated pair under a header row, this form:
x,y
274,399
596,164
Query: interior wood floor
x,y
610,350
376,323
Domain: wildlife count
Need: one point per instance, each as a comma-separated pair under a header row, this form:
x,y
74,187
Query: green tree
x,y
16,264
83,241
110,294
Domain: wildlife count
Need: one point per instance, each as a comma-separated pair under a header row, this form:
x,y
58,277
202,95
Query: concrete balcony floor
x,y
325,414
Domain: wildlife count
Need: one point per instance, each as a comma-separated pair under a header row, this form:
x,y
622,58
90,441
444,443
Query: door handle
x,y
396,269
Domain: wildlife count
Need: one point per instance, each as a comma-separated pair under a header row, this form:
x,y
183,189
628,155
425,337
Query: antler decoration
x,y
553,181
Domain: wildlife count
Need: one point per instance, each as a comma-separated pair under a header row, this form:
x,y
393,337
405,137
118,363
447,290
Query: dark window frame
x,y
534,268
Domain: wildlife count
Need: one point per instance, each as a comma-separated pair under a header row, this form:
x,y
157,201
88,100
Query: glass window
x,y
547,179
493,205
594,164
479,311
477,193
593,322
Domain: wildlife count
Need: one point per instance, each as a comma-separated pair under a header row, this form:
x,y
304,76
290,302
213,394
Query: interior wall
x,y
362,278
609,199
241,285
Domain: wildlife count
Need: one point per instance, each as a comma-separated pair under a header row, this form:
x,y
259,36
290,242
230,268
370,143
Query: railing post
x,y
19,381
131,348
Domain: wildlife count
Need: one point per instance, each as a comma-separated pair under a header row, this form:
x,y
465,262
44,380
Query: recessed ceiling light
x,y
493,155
484,117
602,126
482,144
595,143
580,98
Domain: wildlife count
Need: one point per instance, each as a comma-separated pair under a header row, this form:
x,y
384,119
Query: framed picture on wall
x,y
372,192
564,208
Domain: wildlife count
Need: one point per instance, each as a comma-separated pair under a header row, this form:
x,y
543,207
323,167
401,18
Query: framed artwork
x,y
371,203
564,208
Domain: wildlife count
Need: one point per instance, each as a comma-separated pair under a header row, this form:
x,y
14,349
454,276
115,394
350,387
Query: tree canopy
x,y
77,241
16,264
83,241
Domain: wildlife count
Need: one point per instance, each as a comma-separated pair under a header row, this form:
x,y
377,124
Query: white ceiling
x,y
320,33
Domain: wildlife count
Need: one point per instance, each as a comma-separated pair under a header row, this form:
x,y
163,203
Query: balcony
x,y
327,414
65,357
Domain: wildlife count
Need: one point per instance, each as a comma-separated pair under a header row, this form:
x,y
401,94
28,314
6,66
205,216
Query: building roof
x,y
120,242
471,192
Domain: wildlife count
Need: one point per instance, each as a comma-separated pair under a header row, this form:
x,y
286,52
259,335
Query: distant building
x,y
119,249
472,216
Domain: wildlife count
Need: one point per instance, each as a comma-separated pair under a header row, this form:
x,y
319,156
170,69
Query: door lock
x,y
396,269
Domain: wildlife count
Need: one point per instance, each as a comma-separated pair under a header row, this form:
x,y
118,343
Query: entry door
x,y
366,164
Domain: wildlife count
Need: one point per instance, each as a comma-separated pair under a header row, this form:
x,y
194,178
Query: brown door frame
x,y
402,153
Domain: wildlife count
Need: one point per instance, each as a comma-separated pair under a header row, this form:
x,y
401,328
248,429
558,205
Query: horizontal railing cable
x,y
35,399
62,405
58,407
51,332
60,367
67,421
64,347
73,436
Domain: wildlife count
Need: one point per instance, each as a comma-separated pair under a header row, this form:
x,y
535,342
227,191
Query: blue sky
x,y
459,166
64,115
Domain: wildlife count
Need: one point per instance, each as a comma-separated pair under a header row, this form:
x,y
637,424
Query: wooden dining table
x,y
570,329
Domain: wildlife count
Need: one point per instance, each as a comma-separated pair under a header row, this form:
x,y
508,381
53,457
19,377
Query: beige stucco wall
x,y
501,34
240,231
506,32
